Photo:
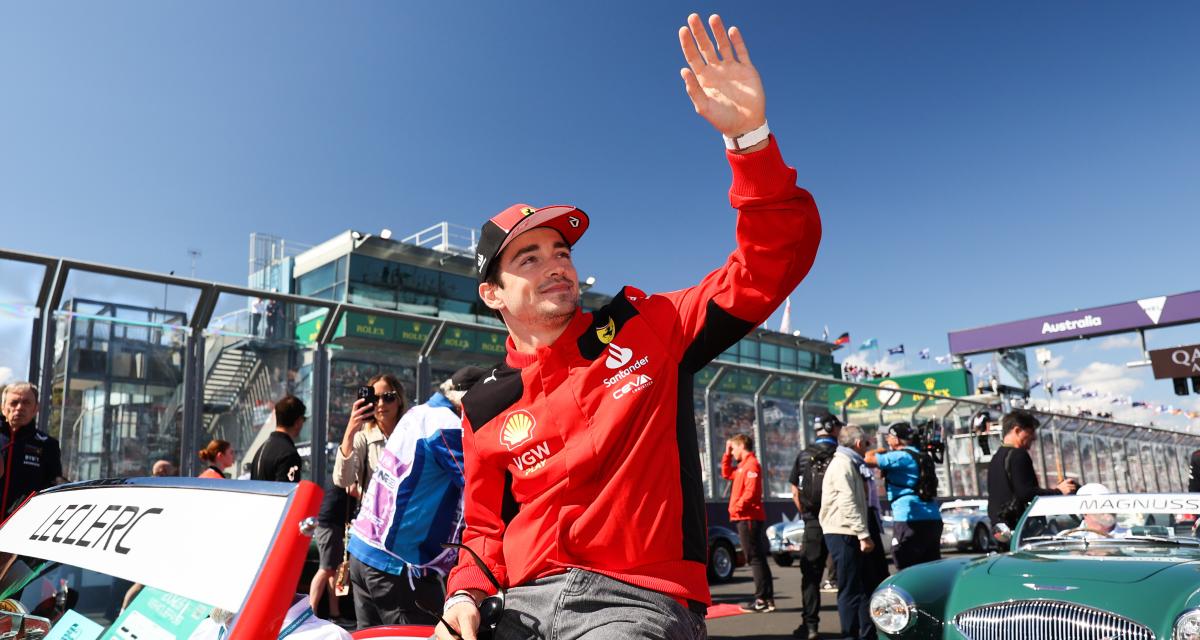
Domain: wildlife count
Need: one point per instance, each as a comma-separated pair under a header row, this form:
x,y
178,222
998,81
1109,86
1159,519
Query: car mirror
x,y
21,626
1002,533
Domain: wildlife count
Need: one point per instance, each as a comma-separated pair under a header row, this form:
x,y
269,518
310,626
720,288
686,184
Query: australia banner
x,y
1160,311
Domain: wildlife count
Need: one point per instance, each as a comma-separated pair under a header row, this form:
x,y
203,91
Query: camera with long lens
x,y
927,437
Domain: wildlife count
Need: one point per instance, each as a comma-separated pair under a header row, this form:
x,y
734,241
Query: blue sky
x,y
974,162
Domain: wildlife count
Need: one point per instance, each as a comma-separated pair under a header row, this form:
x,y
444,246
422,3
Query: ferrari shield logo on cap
x,y
527,211
607,332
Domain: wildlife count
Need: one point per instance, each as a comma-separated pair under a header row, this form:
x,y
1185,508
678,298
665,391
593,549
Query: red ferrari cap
x,y
570,221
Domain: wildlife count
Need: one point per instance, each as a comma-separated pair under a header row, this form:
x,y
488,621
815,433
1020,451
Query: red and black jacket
x,y
31,462
585,453
745,497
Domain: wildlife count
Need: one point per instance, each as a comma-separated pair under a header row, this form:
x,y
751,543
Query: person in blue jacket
x,y
917,528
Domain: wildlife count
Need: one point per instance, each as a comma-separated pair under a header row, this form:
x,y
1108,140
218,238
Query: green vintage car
x,y
1098,567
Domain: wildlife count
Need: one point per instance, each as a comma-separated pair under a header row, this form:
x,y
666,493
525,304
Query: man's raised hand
x,y
724,86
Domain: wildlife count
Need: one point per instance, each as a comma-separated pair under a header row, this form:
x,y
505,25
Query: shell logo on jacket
x,y
518,429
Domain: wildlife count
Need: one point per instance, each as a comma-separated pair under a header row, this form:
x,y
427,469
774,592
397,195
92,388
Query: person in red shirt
x,y
746,513
584,494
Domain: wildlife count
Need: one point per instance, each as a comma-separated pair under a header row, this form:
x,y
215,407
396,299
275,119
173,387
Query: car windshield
x,y
72,601
142,558
1157,518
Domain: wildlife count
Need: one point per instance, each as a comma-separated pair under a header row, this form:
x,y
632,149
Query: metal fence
x,y
137,366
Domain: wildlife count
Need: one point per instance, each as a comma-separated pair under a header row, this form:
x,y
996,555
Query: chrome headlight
x,y
1187,626
892,610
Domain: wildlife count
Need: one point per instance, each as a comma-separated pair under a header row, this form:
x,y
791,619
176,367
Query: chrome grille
x,y
1046,620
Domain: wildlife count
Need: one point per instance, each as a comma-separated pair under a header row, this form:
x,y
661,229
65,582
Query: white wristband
x,y
748,139
457,598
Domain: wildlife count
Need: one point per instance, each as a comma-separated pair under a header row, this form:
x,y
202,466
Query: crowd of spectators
x,y
856,373
1074,411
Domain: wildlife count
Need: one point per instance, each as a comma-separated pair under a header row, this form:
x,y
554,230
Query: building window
x,y
748,351
805,361
769,355
787,358
316,280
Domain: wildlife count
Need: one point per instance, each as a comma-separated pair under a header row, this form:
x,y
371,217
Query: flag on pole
x,y
871,343
825,334
924,354
895,351
785,324
842,340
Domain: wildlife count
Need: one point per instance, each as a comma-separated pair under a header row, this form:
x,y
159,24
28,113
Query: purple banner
x,y
1148,313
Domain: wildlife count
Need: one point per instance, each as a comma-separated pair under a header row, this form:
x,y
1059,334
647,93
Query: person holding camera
x,y
1012,480
917,528
372,419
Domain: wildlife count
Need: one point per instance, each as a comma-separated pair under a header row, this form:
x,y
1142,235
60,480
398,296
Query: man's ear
x,y
487,293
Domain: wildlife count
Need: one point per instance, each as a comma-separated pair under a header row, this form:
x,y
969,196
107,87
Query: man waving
x,y
584,495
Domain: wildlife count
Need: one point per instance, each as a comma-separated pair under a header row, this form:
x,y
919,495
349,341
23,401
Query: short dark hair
x,y
288,411
1019,418
745,440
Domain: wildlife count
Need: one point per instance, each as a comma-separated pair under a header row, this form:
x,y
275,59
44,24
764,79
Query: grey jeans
x,y
583,605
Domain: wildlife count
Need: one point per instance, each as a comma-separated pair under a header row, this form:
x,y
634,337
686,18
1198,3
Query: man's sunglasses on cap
x,y
491,608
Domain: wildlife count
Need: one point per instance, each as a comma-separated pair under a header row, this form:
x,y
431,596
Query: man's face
x,y
893,442
1100,522
538,283
737,450
20,408
1025,437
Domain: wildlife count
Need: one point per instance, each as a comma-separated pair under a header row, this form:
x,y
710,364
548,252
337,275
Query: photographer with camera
x,y
912,490
1012,480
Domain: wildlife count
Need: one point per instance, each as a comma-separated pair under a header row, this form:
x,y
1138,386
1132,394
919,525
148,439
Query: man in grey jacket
x,y
843,518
